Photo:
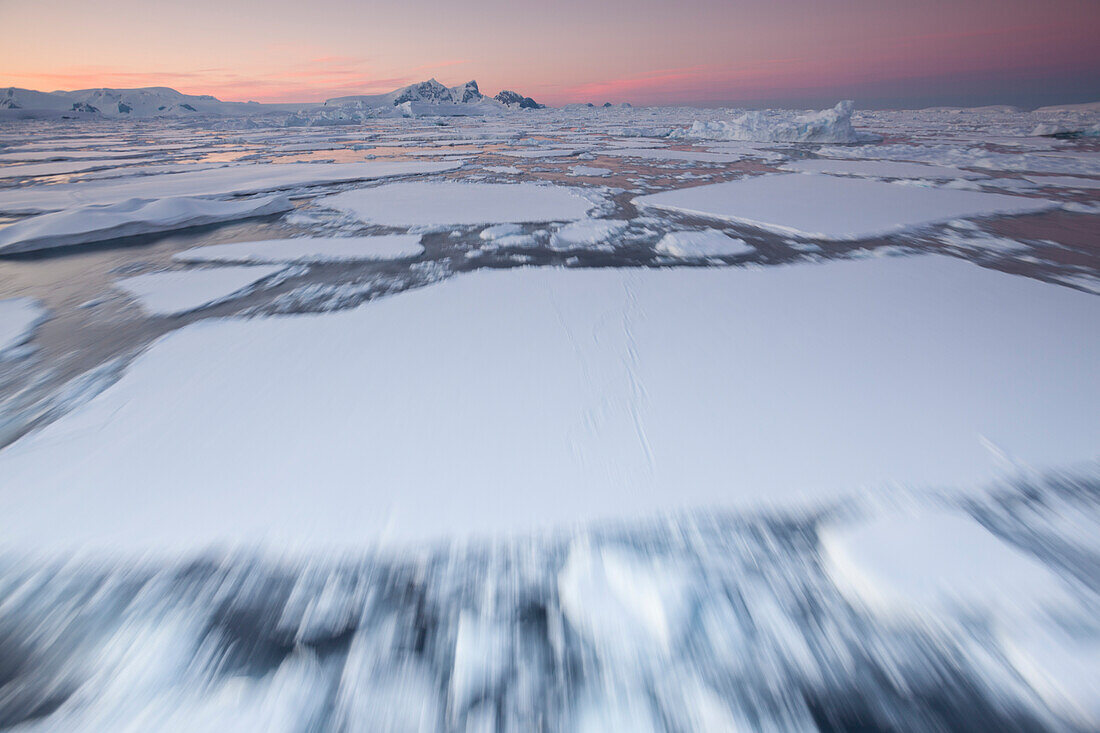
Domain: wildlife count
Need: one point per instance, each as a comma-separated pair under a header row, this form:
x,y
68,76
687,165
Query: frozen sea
x,y
557,420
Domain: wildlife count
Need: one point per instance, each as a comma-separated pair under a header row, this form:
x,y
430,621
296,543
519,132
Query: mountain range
x,y
424,98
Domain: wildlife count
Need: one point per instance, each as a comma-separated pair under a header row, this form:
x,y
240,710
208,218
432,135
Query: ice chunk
x,y
172,293
309,249
586,233
431,203
707,243
622,603
18,319
940,564
482,656
828,207
137,216
1063,667
828,126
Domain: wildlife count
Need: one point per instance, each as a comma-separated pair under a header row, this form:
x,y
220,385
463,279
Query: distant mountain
x,y
432,97
510,99
129,103
427,98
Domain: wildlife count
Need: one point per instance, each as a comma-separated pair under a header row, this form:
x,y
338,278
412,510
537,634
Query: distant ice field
x,y
503,401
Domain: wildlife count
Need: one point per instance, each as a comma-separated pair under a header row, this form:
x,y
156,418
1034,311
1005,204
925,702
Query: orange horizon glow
x,y
640,51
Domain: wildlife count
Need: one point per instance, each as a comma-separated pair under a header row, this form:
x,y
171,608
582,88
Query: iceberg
x,y
828,126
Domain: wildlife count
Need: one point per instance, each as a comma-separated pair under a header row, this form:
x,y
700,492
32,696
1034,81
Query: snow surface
x,y
441,203
309,249
829,207
548,396
230,180
705,243
137,216
172,293
828,126
878,168
18,319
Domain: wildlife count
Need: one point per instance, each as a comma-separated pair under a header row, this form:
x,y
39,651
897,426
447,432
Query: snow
x,y
829,207
828,126
706,243
215,182
443,203
96,223
586,233
878,168
601,392
172,293
18,319
309,249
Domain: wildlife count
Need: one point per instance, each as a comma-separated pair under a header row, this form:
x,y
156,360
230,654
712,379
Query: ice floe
x,y
18,319
444,203
97,223
586,233
182,291
705,243
600,392
878,169
215,182
309,249
829,207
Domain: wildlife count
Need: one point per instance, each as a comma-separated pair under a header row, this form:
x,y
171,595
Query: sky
x,y
882,53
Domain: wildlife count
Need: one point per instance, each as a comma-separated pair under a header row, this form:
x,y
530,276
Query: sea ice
x,y
586,233
624,604
443,203
230,180
1065,181
940,564
18,319
707,243
589,170
878,168
829,207
550,396
309,249
948,567
696,156
172,293
97,223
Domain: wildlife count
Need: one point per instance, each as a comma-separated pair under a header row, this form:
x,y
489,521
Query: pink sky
x,y
643,51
